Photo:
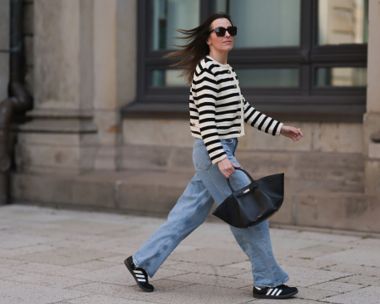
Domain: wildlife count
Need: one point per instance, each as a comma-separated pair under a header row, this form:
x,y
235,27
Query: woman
x,y
218,112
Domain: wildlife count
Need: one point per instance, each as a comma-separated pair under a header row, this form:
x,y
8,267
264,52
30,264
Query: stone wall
x,y
76,151
324,171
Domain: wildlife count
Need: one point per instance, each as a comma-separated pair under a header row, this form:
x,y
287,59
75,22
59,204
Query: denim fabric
x,y
192,208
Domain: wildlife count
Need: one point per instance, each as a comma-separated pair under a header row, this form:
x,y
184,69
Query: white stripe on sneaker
x,y
137,271
278,293
140,280
269,291
140,276
274,292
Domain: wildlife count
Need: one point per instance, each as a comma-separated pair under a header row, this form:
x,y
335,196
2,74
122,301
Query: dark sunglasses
x,y
221,31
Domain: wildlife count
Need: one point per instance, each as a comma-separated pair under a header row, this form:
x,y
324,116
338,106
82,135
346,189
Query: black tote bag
x,y
253,203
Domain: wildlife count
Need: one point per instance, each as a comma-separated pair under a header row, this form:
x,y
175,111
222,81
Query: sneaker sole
x,y
138,283
281,297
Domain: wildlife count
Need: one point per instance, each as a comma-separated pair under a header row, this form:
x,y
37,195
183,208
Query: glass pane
x,y
168,78
341,77
269,23
262,78
342,21
170,15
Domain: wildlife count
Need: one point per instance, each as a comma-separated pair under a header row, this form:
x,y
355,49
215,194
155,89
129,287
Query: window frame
x,y
305,102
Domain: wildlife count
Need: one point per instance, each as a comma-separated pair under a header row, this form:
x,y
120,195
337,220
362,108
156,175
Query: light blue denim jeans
x,y
192,208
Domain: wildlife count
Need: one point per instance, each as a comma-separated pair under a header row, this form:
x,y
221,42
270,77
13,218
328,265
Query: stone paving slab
x,y
50,256
22,293
368,295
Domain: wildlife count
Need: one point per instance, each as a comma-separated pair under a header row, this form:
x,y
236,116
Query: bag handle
x,y
246,187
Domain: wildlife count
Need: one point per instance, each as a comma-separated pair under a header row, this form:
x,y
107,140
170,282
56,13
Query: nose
x,y
227,34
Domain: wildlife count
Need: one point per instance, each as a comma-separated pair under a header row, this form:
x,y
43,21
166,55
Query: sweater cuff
x,y
278,131
218,159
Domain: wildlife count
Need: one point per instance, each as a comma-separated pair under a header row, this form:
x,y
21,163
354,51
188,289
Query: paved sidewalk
x,y
72,257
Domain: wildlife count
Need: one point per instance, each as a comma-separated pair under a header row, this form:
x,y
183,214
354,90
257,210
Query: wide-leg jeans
x,y
208,185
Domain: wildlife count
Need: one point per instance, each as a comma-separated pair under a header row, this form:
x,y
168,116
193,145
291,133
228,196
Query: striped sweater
x,y
218,110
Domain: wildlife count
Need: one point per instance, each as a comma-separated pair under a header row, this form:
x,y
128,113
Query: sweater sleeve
x,y
205,88
261,121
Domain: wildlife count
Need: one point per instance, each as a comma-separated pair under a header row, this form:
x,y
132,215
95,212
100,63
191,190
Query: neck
x,y
219,56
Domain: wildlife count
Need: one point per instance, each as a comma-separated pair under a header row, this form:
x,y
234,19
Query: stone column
x,y
61,136
84,69
115,74
372,115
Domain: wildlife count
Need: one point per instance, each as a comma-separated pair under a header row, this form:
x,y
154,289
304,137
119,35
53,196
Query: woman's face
x,y
220,44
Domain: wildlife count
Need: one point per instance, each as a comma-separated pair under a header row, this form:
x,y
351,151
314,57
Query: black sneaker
x,y
139,274
278,292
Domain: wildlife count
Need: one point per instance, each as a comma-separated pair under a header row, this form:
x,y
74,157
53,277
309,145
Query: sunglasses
x,y
221,31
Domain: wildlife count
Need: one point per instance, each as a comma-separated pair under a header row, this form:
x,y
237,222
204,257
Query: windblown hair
x,y
191,53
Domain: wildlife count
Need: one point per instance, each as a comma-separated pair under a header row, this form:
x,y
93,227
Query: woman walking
x,y
218,112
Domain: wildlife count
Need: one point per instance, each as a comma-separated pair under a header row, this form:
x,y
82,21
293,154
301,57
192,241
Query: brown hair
x,y
191,53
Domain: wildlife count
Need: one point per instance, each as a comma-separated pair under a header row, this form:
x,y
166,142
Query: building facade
x,y
109,128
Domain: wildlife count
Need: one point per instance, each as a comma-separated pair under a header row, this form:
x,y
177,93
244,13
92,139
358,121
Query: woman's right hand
x,y
226,167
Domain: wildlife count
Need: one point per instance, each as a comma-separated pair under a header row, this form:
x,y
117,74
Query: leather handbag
x,y
253,203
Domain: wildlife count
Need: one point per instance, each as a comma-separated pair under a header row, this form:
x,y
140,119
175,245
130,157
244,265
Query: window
x,y
269,23
304,59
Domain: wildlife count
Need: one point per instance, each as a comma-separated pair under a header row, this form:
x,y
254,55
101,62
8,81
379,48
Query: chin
x,y
226,48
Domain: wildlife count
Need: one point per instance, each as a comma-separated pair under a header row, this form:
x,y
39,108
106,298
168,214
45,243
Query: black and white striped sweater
x,y
218,110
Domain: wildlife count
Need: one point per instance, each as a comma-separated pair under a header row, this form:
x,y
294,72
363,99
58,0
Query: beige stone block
x,y
181,159
258,140
108,126
373,69
260,163
145,157
371,125
150,192
285,214
343,19
328,172
337,211
106,158
42,189
87,158
90,193
48,158
104,54
338,137
51,139
372,177
126,52
63,189
152,199
56,41
161,132
374,151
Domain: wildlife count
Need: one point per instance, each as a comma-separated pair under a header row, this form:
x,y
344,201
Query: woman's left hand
x,y
293,133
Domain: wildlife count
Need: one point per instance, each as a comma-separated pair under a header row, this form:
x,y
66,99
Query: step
x,y
148,192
